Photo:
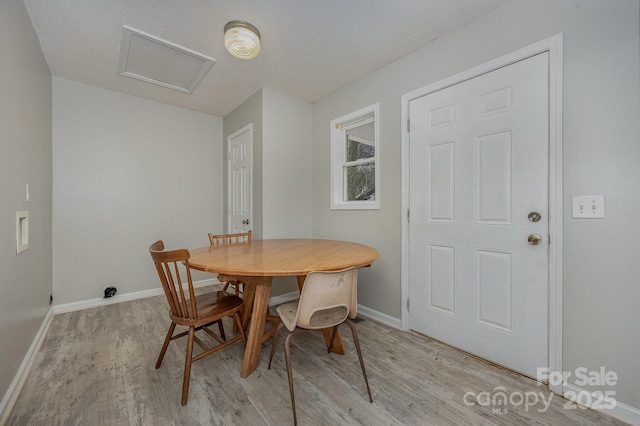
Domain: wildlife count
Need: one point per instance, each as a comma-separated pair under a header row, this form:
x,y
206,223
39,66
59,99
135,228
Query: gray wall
x,y
127,172
281,167
601,153
286,169
25,140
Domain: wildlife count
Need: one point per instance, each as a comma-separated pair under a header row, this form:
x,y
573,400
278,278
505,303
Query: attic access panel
x,y
157,61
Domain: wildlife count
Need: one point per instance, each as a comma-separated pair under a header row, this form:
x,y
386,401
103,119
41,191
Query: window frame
x,y
339,163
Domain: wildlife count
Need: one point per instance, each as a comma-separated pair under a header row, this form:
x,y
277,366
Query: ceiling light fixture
x,y
242,39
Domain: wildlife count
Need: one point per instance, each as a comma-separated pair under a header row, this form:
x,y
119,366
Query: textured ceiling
x,y
309,47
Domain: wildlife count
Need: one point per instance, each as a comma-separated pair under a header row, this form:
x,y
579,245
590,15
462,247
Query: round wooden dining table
x,y
256,262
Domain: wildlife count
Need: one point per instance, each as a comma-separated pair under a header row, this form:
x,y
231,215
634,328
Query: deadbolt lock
x,y
534,216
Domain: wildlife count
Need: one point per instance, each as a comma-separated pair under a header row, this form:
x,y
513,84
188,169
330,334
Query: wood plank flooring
x,y
96,367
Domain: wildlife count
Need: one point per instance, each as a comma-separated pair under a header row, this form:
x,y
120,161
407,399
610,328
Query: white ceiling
x,y
309,47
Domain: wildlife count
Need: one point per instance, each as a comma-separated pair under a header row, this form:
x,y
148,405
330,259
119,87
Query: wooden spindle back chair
x,y
236,238
197,312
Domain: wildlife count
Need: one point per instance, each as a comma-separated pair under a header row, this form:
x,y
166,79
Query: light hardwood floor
x,y
96,367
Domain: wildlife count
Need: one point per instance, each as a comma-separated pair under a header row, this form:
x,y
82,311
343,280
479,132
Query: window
x,y
354,160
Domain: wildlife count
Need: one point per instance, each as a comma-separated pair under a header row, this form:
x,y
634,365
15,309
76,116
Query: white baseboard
x,y
619,410
12,393
380,317
101,301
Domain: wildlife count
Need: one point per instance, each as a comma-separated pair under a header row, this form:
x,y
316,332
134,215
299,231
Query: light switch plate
x,y
587,207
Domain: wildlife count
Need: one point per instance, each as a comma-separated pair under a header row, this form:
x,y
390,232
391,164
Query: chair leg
x,y
165,345
237,292
235,285
237,322
275,342
357,344
221,329
187,366
287,357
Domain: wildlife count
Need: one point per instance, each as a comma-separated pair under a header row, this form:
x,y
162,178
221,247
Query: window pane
x,y
361,182
357,150
360,142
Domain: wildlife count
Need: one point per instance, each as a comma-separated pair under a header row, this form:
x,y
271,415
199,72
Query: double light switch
x,y
587,207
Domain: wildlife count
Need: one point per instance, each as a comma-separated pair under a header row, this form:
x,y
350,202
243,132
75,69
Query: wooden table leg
x,y
338,345
248,297
260,288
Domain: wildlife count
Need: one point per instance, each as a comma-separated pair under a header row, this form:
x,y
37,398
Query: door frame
x,y
248,128
552,45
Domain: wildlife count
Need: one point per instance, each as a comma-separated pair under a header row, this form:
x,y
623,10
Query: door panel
x,y
442,283
478,167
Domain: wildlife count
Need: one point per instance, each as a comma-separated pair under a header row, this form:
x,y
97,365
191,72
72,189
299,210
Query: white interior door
x,y
240,183
478,172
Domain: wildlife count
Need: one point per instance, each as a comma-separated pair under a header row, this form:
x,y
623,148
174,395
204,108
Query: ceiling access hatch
x,y
157,61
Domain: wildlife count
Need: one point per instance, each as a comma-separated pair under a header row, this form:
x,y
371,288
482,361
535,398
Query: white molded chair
x,y
327,300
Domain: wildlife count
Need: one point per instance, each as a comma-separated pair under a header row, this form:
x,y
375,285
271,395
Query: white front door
x,y
478,176
240,184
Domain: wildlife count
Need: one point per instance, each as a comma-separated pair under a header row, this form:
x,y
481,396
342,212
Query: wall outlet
x,y
587,207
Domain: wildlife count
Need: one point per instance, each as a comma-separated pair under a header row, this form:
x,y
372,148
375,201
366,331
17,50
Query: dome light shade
x,y
242,39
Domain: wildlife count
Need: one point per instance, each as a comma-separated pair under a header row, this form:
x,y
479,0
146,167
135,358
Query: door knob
x,y
245,222
534,216
534,239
